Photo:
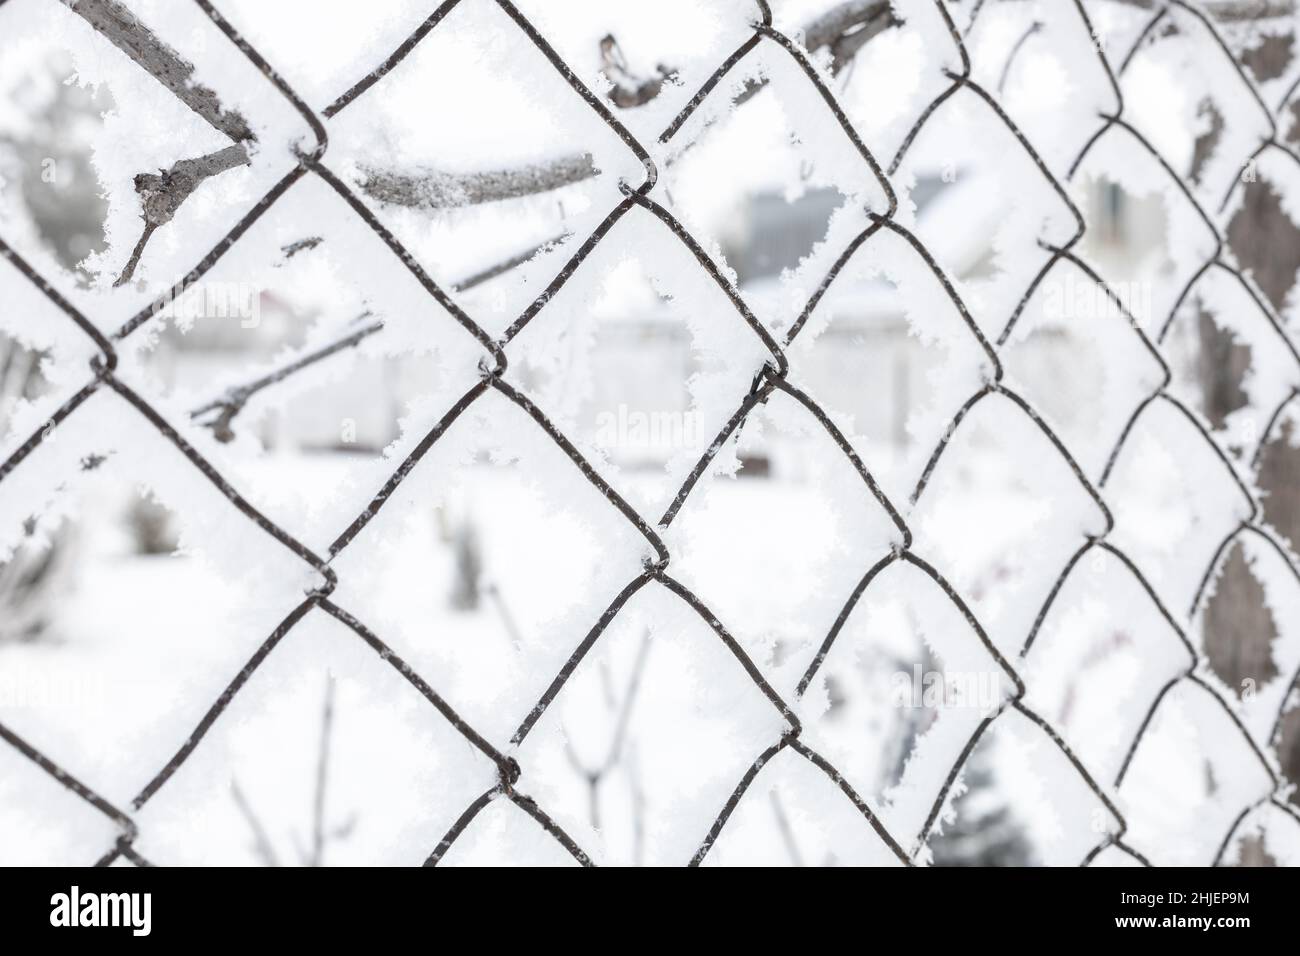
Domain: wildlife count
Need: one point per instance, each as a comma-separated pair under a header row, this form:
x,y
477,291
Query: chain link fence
x,y
1105,828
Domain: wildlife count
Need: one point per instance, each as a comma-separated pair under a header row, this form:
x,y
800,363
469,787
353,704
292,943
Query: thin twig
x,y
322,778
507,619
234,400
261,842
787,834
613,754
230,404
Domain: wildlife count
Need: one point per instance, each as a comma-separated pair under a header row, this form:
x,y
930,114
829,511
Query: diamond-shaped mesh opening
x,y
990,183
780,226
1041,811
1011,557
639,300
126,629
794,814
457,193
905,667
1169,520
1101,660
484,567
294,774
1123,175
1190,778
892,408
1224,327
1076,335
1214,98
658,697
740,543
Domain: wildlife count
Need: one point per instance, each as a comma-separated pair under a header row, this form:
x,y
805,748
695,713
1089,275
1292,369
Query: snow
x,y
498,561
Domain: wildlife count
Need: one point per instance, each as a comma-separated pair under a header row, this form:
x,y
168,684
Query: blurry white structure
x,y
866,363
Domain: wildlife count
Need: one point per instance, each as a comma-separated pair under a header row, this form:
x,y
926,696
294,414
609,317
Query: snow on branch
x,y
844,30
221,412
120,27
162,193
434,189
629,89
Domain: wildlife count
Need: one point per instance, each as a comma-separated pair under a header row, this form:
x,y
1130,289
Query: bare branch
x,y
162,193
261,842
786,831
317,856
133,260
618,743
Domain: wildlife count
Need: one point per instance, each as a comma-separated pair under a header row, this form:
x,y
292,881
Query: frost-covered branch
x,y
234,400
223,410
1226,11
844,30
435,189
1231,9
162,193
629,89
119,26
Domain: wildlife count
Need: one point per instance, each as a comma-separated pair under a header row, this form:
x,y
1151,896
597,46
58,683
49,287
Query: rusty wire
x,y
770,378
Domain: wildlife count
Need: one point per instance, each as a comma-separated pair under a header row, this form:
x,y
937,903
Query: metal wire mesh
x,y
770,379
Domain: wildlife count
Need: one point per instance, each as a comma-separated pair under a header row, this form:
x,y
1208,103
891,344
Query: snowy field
x,y
644,745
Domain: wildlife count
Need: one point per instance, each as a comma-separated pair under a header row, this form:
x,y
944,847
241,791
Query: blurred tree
x,y
55,187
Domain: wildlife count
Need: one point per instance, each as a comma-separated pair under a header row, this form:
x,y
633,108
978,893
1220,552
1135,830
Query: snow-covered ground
x,y
642,747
